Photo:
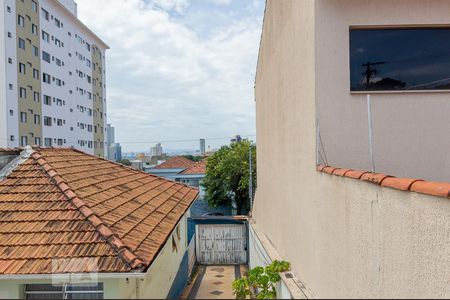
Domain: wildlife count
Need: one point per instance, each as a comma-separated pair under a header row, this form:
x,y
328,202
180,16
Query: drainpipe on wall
x,y
369,119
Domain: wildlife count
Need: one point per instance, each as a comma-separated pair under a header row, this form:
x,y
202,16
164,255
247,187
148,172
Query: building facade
x,y
156,150
53,78
202,147
347,233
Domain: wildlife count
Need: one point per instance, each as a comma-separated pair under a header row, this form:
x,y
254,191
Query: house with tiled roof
x,y
352,123
169,168
75,223
193,175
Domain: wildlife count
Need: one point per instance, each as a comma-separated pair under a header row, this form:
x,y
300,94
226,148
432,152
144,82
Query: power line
x,y
187,140
169,141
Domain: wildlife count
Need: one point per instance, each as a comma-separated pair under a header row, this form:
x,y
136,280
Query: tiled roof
x,y
439,189
176,162
197,168
63,211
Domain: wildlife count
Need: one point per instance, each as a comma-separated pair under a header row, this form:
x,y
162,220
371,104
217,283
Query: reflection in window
x,y
400,59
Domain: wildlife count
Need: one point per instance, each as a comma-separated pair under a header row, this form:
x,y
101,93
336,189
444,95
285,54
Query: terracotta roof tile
x,y
439,189
85,213
197,168
177,162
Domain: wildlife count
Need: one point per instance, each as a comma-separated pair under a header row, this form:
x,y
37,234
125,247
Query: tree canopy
x,y
125,162
227,176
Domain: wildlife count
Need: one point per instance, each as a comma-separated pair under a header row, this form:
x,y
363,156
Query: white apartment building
x,y
53,85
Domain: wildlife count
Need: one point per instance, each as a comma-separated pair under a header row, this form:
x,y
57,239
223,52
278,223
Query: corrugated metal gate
x,y
221,244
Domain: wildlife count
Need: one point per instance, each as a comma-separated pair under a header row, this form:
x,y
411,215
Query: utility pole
x,y
371,70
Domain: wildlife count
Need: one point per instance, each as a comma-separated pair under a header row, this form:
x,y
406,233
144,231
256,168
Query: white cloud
x,y
165,80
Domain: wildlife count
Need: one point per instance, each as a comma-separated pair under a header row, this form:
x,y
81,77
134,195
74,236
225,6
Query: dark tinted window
x,y
400,59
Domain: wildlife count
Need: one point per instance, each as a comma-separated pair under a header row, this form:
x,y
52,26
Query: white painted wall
x,y
9,77
71,112
3,84
71,5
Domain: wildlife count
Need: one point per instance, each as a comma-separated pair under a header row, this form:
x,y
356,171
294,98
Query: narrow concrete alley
x,y
214,282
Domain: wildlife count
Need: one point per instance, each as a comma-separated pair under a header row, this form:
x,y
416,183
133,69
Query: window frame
x,y
386,27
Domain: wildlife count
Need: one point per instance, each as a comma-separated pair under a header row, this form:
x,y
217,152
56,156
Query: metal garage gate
x,y
221,244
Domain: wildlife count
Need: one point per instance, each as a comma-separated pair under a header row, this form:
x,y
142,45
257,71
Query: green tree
x,y
193,158
125,162
227,176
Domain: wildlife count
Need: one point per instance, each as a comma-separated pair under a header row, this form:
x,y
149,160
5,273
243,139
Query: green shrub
x,y
261,281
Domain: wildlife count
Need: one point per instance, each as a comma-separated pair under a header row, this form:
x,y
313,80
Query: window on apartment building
x,y
400,59
60,142
22,44
47,121
36,97
45,36
35,51
58,62
36,74
8,9
11,112
37,119
47,143
23,117
34,6
45,14
45,56
9,34
23,141
59,122
34,30
22,68
12,138
46,78
57,42
58,82
10,61
21,21
22,92
47,100
37,141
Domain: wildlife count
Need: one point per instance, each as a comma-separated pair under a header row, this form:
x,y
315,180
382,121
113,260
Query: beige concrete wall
x,y
408,128
344,238
26,57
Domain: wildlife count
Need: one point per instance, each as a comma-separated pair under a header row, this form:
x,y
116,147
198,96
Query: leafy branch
x,y
261,281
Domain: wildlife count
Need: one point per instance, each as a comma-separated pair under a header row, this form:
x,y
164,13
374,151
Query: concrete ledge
x,y
295,286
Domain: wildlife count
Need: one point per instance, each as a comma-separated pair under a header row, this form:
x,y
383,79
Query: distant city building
x,y
114,149
202,146
137,164
110,134
115,152
156,151
140,156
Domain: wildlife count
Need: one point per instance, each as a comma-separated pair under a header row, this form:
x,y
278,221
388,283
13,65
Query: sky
x,y
178,70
